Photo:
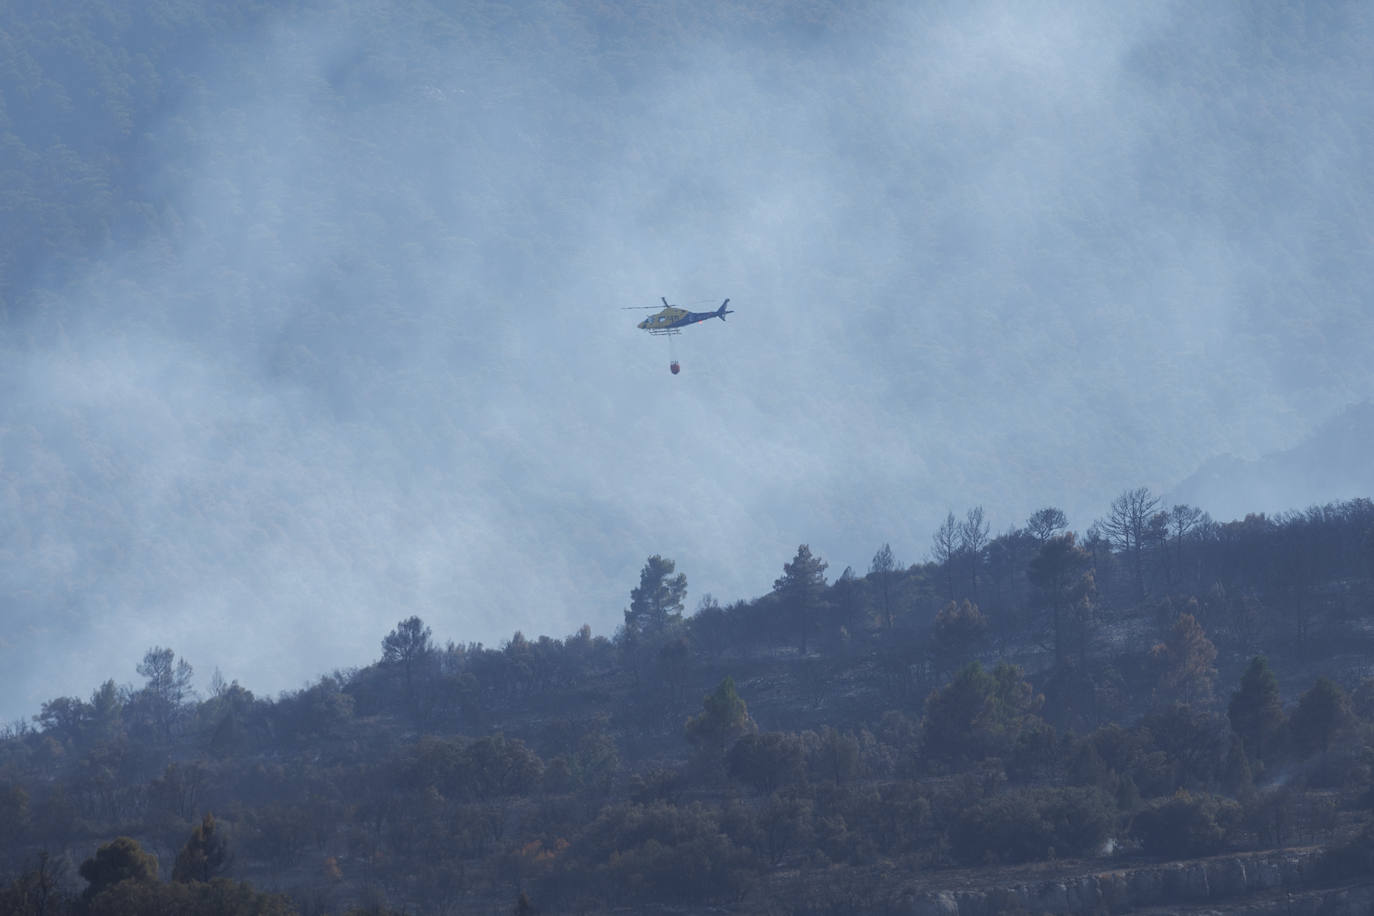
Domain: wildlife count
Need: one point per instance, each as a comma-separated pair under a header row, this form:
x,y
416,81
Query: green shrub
x,y
1028,824
1185,825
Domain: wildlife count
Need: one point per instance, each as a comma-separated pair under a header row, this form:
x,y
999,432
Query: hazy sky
x,y
374,363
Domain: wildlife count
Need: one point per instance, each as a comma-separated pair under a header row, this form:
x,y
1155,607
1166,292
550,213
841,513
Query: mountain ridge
x,y
1331,463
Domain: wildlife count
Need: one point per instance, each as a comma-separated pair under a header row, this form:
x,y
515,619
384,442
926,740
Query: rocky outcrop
x,y
1233,882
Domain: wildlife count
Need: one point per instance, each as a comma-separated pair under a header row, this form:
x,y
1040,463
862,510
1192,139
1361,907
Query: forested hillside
x,y
1162,687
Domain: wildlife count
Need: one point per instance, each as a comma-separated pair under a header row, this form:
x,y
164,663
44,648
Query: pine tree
x,y
1046,523
169,683
944,548
883,575
978,713
1128,527
1062,573
959,630
1186,659
724,717
1256,710
1236,777
410,650
656,605
205,854
106,711
1322,713
802,589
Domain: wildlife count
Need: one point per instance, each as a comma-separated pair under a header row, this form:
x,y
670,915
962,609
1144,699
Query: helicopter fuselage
x,y
672,318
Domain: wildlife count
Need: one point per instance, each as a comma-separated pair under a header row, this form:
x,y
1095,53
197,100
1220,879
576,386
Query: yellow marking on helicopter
x,y
663,321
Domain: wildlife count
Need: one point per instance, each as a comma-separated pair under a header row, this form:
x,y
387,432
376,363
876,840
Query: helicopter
x,y
671,319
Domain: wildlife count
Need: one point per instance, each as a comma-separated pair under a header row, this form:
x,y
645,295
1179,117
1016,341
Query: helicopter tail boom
x,y
721,312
